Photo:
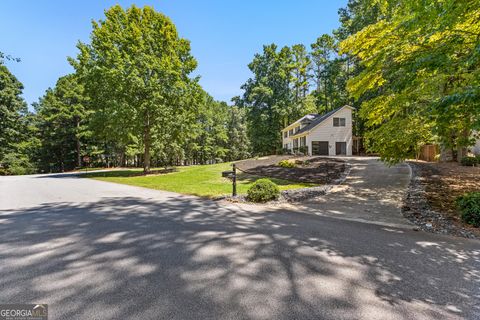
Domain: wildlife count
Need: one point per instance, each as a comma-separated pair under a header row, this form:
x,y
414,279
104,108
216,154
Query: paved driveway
x,y
96,250
372,192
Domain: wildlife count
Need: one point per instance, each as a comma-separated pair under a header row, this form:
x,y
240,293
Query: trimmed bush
x,y
263,190
469,161
469,205
286,164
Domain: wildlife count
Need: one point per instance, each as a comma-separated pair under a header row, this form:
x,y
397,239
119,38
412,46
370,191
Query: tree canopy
x,y
136,71
411,69
420,70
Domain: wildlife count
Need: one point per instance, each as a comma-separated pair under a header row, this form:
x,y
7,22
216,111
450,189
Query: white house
x,y
328,134
476,148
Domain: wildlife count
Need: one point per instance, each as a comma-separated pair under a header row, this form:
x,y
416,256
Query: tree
x,y
301,72
268,98
12,108
420,69
62,121
136,70
322,52
238,142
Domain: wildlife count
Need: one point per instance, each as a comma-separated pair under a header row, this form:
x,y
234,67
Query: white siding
x,y
325,131
476,148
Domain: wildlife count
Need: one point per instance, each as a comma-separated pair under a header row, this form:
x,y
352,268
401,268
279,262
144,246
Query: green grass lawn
x,y
205,180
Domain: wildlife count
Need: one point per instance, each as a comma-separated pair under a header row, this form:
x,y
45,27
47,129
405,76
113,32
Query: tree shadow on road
x,y
191,258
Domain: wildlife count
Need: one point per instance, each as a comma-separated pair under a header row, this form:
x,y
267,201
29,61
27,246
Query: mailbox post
x,y
232,174
234,181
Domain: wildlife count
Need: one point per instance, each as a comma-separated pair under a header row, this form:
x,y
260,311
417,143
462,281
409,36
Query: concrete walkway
x,y
372,192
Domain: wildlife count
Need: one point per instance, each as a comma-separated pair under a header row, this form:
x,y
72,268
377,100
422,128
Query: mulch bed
x,y
430,202
317,170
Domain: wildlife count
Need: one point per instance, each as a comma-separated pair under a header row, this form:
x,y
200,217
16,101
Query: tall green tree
x,y
322,54
12,110
420,71
301,66
238,142
18,142
62,121
136,70
268,98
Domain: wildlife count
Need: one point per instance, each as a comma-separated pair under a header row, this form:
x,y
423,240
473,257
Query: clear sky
x,y
224,34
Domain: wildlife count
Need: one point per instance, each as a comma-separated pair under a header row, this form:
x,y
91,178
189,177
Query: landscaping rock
x,y
417,209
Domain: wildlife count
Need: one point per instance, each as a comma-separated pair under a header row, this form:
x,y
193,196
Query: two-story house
x,y
314,134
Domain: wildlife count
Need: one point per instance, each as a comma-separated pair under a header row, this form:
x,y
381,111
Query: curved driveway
x,y
372,192
97,250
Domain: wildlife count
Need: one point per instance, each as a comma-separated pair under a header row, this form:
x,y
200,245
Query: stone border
x,y
417,210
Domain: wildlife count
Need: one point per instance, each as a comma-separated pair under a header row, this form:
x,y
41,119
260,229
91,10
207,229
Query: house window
x,y
290,132
285,134
303,141
297,129
339,122
295,143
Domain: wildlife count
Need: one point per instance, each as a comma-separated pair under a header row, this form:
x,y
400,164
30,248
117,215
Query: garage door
x,y
320,148
341,148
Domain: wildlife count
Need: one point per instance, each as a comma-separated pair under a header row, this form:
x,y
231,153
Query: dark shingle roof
x,y
316,121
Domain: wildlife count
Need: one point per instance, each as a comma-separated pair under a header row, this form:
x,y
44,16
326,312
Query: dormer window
x,y
339,122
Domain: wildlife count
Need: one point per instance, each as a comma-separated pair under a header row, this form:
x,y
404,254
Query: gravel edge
x,y
417,210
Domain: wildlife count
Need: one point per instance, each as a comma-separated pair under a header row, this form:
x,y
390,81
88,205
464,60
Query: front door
x,y
320,148
341,148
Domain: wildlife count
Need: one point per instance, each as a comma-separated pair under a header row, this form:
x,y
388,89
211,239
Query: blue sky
x,y
224,34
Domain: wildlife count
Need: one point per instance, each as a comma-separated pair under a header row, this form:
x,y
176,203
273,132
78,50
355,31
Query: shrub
x,y
469,205
469,161
286,164
16,164
263,190
303,149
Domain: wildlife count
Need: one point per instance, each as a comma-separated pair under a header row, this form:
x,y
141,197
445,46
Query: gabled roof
x,y
319,119
310,116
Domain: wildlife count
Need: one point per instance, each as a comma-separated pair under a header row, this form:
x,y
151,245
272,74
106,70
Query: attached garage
x,y
320,148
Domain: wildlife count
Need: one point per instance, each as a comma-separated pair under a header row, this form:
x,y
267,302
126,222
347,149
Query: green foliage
x,y
268,98
17,164
17,132
286,164
238,142
62,121
419,68
263,190
469,205
136,72
470,161
13,110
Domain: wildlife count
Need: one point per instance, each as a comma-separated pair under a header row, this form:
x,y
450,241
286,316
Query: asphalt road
x,y
97,250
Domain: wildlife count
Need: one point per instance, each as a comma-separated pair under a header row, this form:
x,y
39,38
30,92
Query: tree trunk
x,y
146,143
326,95
79,157
462,150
